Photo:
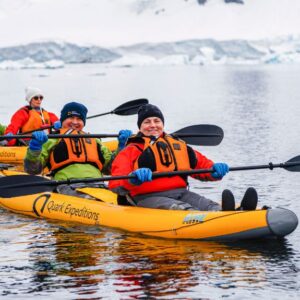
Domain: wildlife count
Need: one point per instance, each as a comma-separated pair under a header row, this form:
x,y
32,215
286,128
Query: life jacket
x,y
35,119
75,151
164,154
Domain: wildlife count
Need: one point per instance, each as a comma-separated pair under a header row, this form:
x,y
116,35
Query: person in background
x,y
30,117
70,158
153,150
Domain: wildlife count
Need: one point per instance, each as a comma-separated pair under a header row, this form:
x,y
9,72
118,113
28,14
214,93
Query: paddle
x,y
201,135
19,185
126,109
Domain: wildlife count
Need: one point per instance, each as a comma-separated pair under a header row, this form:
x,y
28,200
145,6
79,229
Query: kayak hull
x,y
12,154
171,224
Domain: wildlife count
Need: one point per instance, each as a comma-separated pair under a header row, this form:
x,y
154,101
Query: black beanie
x,y
73,109
147,111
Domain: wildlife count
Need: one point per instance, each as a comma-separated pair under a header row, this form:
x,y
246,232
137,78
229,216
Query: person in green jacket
x,y
71,158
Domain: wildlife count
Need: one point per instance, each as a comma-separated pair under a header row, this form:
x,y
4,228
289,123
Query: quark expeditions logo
x,y
194,218
7,154
51,206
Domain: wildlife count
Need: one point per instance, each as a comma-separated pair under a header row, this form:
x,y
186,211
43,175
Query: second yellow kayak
x,y
15,155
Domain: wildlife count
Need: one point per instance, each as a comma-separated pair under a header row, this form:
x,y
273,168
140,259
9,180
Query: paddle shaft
x,y
109,135
200,135
46,182
90,117
99,115
269,166
128,108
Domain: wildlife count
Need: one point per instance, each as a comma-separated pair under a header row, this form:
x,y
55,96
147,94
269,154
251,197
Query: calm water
x,y
258,109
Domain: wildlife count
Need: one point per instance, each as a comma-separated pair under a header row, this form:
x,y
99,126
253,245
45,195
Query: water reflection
x,y
83,262
68,259
153,268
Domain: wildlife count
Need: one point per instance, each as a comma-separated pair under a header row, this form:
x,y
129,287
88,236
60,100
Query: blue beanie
x,y
147,111
73,109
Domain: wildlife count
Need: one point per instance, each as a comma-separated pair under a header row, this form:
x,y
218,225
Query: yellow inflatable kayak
x,y
16,154
171,224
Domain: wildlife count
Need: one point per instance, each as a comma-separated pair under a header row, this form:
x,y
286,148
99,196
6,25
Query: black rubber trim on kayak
x,y
288,221
267,220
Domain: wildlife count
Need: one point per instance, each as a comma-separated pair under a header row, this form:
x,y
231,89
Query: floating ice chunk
x,y
54,64
174,60
133,60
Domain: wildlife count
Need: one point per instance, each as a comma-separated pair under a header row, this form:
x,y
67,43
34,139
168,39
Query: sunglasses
x,y
38,98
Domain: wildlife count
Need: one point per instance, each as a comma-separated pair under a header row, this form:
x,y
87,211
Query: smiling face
x,y
73,122
152,126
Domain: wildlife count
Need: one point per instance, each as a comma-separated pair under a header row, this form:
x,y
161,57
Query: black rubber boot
x,y
250,199
228,203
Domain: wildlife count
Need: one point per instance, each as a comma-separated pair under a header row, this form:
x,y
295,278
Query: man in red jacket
x,y
31,116
153,150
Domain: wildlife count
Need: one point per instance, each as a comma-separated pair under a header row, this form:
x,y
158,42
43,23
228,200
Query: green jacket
x,y
36,161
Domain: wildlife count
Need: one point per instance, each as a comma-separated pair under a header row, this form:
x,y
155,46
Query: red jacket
x,y
123,164
19,119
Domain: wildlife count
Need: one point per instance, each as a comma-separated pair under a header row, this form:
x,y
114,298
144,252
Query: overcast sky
x,y
124,22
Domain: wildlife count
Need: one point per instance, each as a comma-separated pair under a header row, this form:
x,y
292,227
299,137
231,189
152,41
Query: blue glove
x,y
142,175
57,125
123,137
38,139
220,170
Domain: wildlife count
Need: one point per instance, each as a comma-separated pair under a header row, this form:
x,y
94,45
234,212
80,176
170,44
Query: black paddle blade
x,y
201,135
26,185
130,107
293,164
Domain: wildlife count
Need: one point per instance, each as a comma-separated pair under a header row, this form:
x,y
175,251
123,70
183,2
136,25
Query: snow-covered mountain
x,y
68,53
139,32
197,52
